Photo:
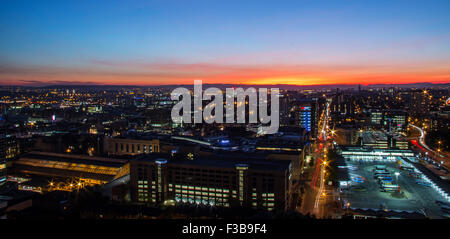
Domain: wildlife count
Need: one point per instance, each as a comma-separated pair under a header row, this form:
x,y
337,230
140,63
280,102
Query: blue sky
x,y
135,37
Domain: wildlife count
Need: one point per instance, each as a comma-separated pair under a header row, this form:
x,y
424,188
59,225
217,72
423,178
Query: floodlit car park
x,y
412,194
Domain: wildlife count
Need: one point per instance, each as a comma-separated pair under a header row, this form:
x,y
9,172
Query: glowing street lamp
x,y
397,174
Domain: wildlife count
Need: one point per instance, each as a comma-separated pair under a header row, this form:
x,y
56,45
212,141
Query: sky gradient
x,y
235,42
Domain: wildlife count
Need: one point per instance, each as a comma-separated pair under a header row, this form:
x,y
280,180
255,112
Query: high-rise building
x,y
306,115
156,179
420,102
376,117
395,120
389,119
284,110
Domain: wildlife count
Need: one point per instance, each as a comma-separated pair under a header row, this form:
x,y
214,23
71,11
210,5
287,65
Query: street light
x,y
397,174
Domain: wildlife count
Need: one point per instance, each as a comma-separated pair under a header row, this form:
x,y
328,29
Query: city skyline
x,y
295,43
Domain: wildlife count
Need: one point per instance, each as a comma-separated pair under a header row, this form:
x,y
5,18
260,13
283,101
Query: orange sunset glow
x,y
173,74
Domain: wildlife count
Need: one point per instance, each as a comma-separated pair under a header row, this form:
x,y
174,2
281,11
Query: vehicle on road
x,y
358,180
385,178
423,183
352,167
390,188
358,188
381,174
380,171
380,167
386,182
415,175
442,203
445,209
410,169
445,206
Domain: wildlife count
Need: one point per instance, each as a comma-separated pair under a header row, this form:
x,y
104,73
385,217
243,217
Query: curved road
x,y
430,152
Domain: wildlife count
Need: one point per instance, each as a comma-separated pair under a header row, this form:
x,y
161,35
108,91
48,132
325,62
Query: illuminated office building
x,y
306,116
389,119
209,181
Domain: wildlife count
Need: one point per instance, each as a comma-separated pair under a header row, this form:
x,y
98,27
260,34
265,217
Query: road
x,y
435,156
315,198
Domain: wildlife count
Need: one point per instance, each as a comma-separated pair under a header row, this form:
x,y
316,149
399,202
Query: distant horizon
x,y
419,84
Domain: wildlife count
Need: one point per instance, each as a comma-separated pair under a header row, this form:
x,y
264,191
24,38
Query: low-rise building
x,y
130,146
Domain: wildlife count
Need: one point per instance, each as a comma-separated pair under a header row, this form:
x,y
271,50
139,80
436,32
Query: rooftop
x,y
79,159
222,161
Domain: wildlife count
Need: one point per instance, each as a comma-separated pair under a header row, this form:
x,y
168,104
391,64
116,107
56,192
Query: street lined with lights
x,y
322,163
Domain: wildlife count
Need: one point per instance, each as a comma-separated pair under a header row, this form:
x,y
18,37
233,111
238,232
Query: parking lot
x,y
366,192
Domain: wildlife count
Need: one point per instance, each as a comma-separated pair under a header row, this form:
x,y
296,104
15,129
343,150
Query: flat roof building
x,y
211,181
94,170
383,140
356,153
130,146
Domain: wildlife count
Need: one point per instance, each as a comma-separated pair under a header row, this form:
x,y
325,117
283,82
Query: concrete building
x,y
383,140
306,115
90,170
130,146
211,181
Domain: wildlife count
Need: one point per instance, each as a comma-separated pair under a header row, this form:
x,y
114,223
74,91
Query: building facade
x,y
128,146
222,183
369,154
306,116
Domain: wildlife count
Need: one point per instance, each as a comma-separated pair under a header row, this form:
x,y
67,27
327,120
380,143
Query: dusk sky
x,y
237,42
